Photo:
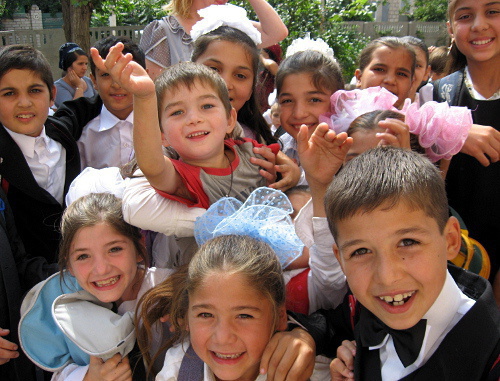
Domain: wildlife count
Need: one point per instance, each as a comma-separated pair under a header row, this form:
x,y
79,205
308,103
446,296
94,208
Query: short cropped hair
x,y
386,176
129,46
26,57
187,74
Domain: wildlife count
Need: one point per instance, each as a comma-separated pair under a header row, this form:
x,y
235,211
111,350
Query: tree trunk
x,y
76,25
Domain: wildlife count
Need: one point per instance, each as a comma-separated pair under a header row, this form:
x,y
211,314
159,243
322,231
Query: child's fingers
x,y
398,129
7,345
345,355
339,372
98,61
387,139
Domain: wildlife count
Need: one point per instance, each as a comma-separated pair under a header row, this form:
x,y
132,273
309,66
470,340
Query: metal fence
x,y
49,40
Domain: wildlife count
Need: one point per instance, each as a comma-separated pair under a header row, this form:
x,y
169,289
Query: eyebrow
x,y
107,244
202,97
221,63
314,92
486,5
400,232
35,85
237,308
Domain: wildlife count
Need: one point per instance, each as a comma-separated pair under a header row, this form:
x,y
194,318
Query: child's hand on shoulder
x,y
8,349
322,154
114,369
127,73
267,164
289,356
397,133
341,368
483,143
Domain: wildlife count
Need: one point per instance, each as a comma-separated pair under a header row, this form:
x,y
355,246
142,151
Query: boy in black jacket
x,y
38,154
412,316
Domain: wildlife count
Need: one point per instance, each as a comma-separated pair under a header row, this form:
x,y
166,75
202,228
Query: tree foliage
x,y
128,12
425,10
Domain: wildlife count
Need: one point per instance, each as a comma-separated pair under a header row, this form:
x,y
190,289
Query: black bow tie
x,y
406,341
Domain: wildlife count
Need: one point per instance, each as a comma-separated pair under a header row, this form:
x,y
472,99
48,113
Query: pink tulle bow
x,y
348,105
441,129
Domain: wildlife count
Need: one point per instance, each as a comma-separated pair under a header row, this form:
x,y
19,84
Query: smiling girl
x,y
102,259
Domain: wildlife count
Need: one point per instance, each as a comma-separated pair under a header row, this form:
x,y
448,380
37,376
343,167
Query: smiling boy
x,y
388,213
106,140
38,154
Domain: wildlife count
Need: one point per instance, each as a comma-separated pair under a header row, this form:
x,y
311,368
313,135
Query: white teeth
x,y
197,134
25,116
228,357
107,282
398,299
482,42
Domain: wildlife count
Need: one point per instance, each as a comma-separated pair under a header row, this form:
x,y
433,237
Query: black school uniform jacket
x,y
37,213
469,352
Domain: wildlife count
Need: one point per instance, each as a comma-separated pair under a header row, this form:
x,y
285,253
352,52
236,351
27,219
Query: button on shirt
x,y
106,141
46,159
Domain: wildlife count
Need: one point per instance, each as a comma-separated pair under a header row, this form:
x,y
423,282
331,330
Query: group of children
x,y
377,239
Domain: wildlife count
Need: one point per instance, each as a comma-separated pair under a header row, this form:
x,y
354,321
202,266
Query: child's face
x,y
363,140
275,116
104,263
475,25
395,261
422,71
230,333
118,101
301,102
390,69
235,68
25,101
195,124
80,66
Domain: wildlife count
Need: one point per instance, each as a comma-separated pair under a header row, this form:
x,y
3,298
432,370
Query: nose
x,y
115,85
388,268
223,333
24,100
480,23
299,110
228,79
193,116
390,78
101,265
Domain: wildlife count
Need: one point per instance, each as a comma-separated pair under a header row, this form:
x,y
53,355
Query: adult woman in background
x,y
167,41
74,84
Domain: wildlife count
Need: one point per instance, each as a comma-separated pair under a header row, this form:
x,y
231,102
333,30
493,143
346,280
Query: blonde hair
x,y
181,8
231,254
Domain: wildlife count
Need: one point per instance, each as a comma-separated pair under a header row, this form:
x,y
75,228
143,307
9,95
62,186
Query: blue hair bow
x,y
264,216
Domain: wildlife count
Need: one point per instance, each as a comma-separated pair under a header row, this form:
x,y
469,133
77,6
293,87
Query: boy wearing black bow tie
x,y
413,316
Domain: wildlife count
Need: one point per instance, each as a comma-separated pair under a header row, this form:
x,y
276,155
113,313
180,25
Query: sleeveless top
x,y
165,42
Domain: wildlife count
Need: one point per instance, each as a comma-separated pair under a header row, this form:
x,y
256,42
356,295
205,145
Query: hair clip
x,y
306,43
231,15
264,216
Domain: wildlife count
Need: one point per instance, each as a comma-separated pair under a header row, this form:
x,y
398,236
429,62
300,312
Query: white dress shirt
x,y
46,159
106,141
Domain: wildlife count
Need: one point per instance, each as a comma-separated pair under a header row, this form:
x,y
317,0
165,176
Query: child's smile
x,y
395,260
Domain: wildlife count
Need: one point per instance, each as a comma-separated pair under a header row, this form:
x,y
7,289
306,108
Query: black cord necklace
x,y
231,183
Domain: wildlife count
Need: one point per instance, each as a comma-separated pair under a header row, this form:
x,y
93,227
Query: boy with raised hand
x,y
413,316
38,153
106,140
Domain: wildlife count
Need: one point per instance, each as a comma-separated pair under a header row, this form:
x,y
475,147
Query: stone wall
x,y
24,21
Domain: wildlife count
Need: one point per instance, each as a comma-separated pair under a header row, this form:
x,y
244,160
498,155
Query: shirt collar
x,y
108,120
474,93
27,143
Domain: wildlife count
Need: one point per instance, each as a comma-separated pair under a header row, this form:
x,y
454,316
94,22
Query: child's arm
x,y
342,367
116,368
270,24
483,143
8,349
158,169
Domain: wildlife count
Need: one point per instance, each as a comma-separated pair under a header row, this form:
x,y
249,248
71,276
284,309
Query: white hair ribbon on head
x,y
306,43
215,16
265,216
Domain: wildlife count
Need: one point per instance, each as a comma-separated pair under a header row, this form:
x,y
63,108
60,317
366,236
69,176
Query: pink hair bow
x,y
441,129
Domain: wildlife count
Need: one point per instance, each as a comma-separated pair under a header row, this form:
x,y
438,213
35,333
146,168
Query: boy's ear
x,y
336,251
453,237
282,319
54,93
92,77
231,121
164,141
450,30
357,74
